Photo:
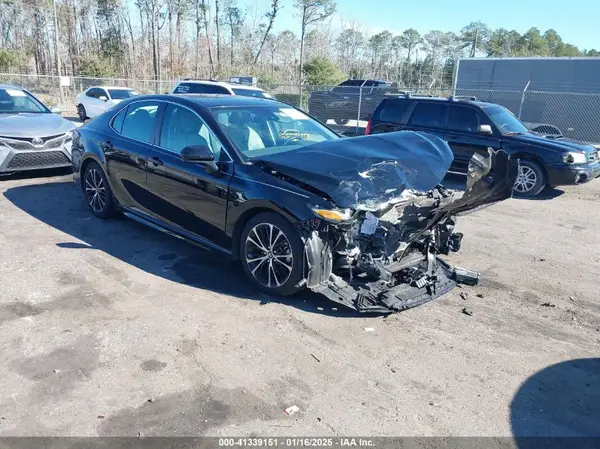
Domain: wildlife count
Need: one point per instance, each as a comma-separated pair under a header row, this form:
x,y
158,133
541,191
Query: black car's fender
x,y
252,191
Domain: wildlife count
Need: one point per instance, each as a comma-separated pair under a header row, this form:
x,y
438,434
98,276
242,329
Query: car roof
x,y
11,86
458,99
110,87
216,100
220,83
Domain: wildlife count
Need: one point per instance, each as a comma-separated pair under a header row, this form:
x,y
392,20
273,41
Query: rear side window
x,y
429,114
195,88
140,120
392,111
118,120
461,118
92,93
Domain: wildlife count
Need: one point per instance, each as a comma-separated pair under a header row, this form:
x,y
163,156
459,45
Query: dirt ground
x,y
111,328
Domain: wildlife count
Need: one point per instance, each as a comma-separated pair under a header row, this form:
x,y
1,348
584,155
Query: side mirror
x,y
485,129
103,98
55,110
197,153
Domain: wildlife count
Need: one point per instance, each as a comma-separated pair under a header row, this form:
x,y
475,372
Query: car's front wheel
x,y
341,121
97,192
272,254
81,112
531,179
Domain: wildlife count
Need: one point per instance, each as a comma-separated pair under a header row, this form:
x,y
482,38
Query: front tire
x,y
531,180
97,191
81,112
272,254
341,121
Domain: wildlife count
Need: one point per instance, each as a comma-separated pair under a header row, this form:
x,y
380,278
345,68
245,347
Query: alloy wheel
x,y
269,255
95,190
526,180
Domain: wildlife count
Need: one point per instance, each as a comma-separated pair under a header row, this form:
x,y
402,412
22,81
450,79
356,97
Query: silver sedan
x,y
31,135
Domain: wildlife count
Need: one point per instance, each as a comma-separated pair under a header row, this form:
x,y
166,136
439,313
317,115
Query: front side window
x,y
140,120
182,128
504,120
121,94
16,101
268,129
91,93
429,114
461,118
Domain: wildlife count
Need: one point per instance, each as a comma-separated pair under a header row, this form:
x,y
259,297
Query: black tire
x,y
271,264
341,121
81,112
97,191
531,180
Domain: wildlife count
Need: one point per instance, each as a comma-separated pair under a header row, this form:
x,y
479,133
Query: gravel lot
x,y
111,328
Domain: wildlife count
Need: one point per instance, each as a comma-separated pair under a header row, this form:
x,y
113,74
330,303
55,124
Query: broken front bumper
x,y
378,297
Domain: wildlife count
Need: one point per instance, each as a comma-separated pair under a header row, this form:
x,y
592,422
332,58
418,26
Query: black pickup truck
x,y
341,103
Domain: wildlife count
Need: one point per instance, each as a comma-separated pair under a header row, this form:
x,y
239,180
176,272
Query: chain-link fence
x,y
347,108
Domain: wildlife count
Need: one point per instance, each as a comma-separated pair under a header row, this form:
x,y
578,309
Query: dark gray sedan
x,y
31,135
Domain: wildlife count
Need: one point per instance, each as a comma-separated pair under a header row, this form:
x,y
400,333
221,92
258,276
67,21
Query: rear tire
x,y
272,254
531,180
81,112
98,193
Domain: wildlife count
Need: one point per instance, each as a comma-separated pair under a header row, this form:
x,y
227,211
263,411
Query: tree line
x,y
162,39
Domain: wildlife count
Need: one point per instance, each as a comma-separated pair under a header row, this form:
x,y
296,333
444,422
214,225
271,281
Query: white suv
x,y
188,86
97,99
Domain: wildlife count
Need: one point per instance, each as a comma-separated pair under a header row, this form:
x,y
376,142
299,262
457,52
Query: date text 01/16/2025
x,y
296,442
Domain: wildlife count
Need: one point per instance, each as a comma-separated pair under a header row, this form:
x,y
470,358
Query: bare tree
x,y
218,30
271,15
235,19
310,12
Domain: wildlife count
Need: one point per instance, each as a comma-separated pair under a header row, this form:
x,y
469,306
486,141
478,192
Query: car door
x,y
429,116
126,152
102,101
464,137
189,196
90,102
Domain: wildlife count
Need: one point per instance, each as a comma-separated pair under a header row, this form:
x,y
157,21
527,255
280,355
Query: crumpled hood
x,y
563,143
368,169
33,125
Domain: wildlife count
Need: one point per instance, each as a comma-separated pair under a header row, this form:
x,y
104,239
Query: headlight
x,y
335,215
574,158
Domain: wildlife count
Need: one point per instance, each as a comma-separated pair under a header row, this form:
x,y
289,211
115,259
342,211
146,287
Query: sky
x,y
577,21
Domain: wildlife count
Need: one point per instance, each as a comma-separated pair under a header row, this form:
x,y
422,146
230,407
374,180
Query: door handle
x,y
155,161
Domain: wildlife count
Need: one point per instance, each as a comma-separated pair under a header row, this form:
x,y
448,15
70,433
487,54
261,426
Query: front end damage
x,y
382,251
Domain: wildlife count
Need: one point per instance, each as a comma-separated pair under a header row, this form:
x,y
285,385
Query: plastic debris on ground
x,y
291,410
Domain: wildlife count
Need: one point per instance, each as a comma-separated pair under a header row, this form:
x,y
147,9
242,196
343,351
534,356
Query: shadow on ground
x,y
562,400
36,174
62,206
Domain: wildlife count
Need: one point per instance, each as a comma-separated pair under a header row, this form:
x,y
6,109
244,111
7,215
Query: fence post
x,y
359,106
455,81
523,99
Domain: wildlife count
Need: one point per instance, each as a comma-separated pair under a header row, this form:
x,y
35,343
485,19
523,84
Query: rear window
x,y
429,114
392,111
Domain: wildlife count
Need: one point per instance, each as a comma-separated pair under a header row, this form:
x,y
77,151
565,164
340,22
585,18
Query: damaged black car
x,y
363,221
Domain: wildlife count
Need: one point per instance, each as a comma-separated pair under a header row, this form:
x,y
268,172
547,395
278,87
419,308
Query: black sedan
x,y
360,220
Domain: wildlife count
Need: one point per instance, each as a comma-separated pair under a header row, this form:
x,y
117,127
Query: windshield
x,y
505,120
15,101
121,94
251,93
269,129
